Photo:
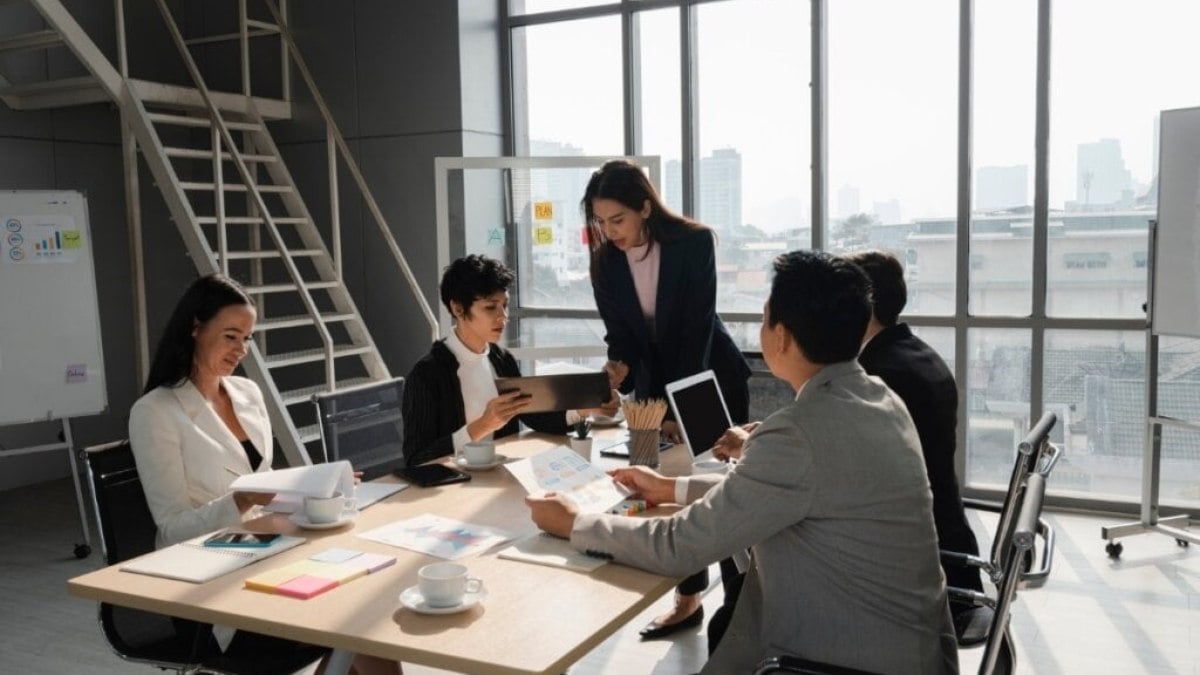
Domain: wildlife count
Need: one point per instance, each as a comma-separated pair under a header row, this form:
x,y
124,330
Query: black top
x,y
688,336
921,379
252,454
434,409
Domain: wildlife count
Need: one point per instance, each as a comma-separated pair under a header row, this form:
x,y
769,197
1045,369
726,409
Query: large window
x,y
723,92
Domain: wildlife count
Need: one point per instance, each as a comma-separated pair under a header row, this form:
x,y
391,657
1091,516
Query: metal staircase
x,y
239,212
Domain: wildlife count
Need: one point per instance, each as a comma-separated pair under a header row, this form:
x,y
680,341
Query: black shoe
x,y
653,631
971,626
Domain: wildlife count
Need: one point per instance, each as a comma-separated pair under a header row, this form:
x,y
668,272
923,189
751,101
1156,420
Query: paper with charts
x,y
437,536
560,469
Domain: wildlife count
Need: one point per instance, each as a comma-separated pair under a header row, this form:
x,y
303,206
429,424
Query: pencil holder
x,y
643,447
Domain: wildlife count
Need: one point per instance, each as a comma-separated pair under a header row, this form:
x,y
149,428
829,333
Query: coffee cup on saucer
x,y
445,584
327,509
479,453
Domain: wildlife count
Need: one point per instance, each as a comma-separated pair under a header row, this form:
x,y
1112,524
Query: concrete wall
x,y
392,74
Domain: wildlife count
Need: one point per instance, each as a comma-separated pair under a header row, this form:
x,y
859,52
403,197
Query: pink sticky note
x,y
305,587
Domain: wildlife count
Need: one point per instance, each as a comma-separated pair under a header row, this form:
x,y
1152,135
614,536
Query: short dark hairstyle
x,y
889,293
823,301
176,349
468,279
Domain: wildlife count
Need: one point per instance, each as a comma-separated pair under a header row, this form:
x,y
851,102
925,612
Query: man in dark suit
x,y
918,375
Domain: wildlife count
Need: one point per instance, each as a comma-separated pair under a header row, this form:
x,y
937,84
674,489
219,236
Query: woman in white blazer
x,y
196,428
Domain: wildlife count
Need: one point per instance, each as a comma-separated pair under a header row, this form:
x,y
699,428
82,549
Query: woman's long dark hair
x,y
176,348
623,181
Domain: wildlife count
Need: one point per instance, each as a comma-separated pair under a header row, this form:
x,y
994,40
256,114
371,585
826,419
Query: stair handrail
x,y
251,189
332,132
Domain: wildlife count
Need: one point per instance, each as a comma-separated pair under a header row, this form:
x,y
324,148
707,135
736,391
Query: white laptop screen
x,y
700,410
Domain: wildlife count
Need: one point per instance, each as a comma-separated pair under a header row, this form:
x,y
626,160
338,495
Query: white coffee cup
x,y
327,509
479,452
444,584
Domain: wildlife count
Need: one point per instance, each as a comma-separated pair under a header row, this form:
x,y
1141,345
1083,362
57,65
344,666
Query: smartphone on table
x,y
241,539
429,475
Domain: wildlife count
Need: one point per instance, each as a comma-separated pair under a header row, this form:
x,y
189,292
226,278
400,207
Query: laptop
x,y
702,416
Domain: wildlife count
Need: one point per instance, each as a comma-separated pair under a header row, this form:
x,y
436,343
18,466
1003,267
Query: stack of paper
x,y
438,536
546,549
318,480
319,573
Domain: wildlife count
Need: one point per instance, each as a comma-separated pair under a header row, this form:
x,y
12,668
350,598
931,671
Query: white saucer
x,y
302,520
606,421
412,599
462,463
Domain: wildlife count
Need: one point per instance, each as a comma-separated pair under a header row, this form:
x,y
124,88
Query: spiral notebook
x,y
193,561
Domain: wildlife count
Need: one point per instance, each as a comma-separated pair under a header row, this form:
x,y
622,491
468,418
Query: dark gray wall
x,y
393,75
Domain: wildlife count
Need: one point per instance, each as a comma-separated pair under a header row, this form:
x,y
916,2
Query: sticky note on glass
x,y
543,210
543,235
71,239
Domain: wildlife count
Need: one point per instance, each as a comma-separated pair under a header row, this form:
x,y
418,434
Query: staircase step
x,y
39,39
190,153
298,320
252,220
272,253
305,394
313,355
57,93
236,187
309,433
196,121
290,288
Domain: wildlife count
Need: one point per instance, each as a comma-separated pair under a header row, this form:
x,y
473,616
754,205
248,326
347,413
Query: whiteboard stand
x,y
84,549
1173,526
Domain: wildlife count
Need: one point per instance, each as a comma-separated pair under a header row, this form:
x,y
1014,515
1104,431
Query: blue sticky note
x,y
336,555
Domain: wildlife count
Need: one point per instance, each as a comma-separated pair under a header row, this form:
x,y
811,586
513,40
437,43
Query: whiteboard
x,y
1176,309
51,360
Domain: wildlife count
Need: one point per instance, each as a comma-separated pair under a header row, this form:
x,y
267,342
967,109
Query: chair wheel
x,y
1183,543
82,551
1113,549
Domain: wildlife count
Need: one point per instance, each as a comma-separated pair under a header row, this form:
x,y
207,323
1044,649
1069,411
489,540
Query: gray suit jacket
x,y
833,499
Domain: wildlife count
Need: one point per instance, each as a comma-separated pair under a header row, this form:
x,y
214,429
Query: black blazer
x,y
433,404
688,337
918,375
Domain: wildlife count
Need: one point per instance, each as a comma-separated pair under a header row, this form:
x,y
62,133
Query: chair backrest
x,y
999,655
364,425
127,529
1034,451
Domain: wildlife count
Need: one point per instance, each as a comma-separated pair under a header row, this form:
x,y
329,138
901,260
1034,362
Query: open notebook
x,y
193,561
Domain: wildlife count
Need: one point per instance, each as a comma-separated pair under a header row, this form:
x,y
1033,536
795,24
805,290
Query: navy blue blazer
x,y
688,336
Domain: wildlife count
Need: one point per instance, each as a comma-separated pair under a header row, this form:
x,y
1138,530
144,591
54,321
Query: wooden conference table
x,y
536,619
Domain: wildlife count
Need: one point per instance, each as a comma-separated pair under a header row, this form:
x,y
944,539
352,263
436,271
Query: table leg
x,y
339,662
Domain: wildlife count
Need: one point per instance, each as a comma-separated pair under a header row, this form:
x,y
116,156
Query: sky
x,y
892,84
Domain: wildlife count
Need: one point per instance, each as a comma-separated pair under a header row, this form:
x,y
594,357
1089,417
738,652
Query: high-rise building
x,y
721,190
673,185
1001,187
1101,176
887,212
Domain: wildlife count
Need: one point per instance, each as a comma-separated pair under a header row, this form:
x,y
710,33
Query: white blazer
x,y
187,457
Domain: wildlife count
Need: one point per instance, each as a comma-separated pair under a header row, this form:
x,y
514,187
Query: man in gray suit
x,y
832,497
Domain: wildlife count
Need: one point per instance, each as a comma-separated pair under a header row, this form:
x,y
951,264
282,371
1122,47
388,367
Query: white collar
x,y
463,353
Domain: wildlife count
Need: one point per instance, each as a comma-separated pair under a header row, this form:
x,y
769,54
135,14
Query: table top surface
x,y
536,619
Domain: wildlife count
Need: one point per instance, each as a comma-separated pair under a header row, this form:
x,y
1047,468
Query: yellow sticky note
x,y
543,235
71,239
543,210
267,581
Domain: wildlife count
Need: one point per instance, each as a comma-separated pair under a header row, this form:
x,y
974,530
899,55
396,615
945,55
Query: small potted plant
x,y
581,442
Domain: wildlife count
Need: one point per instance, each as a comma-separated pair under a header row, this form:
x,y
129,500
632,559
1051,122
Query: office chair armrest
x,y
982,505
1037,578
962,559
786,663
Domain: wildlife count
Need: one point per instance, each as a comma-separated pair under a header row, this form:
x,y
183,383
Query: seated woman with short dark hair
x,y
450,396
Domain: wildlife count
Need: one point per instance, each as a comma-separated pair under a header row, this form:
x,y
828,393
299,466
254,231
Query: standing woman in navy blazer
x,y
654,276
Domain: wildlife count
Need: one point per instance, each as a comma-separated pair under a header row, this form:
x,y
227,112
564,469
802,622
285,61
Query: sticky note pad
x,y
270,580
305,587
343,573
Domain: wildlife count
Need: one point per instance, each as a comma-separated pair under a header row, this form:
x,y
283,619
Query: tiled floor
x,y
1140,614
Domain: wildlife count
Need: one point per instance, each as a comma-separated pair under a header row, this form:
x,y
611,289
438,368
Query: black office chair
x,y
364,425
794,665
127,530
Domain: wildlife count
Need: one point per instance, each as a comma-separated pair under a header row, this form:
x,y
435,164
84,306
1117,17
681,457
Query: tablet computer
x,y
568,391
701,414
429,475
